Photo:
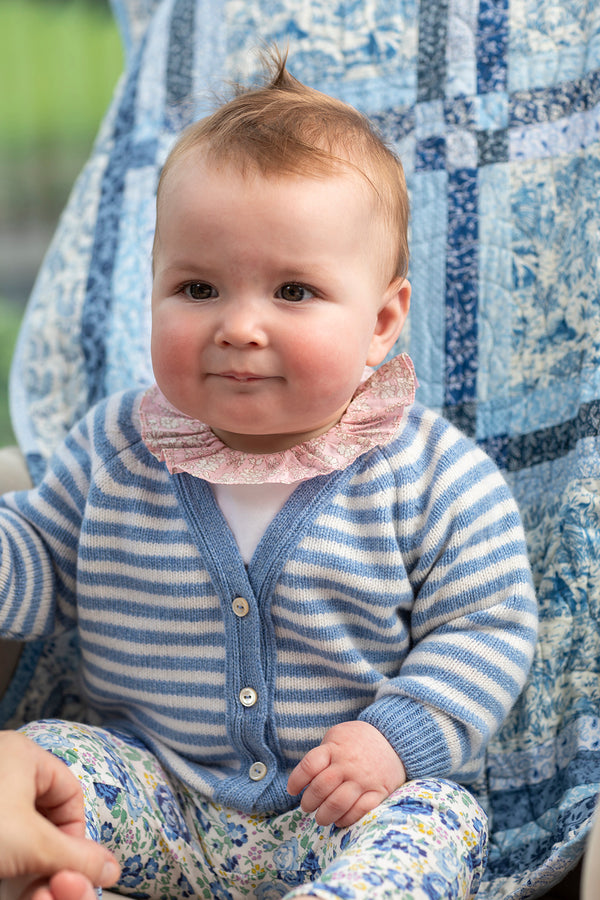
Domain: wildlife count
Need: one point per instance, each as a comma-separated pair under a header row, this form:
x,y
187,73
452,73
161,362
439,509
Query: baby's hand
x,y
351,772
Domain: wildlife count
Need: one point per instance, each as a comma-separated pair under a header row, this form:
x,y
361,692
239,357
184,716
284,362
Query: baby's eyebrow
x,y
183,263
192,268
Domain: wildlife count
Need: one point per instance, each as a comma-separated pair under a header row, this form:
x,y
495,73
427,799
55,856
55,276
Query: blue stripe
x,y
540,797
319,694
46,522
431,62
147,723
122,602
550,104
180,53
482,664
145,636
465,711
26,566
163,661
128,555
462,280
330,560
492,46
344,604
492,587
116,681
351,655
524,451
96,312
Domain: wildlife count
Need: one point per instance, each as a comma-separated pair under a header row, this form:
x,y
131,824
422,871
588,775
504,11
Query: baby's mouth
x,y
242,377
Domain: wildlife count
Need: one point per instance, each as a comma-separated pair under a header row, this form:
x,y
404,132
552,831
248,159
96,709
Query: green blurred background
x,y
59,63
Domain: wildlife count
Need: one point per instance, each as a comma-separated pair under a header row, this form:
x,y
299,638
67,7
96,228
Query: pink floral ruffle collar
x,y
372,418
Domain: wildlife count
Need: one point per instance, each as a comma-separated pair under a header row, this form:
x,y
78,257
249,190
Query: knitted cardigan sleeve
x,y
473,622
39,539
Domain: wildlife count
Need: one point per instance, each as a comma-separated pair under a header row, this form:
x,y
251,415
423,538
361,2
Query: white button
x,y
240,607
257,771
248,696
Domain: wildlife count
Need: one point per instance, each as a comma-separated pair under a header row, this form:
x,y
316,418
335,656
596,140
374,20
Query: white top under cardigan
x,y
249,510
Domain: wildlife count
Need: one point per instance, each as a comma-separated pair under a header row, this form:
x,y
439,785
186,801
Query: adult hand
x,y
43,821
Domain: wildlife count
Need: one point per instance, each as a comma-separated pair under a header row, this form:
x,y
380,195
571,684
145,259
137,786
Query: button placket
x,y
247,683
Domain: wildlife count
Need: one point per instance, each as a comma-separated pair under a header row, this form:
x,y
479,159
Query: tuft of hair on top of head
x,y
277,74
283,127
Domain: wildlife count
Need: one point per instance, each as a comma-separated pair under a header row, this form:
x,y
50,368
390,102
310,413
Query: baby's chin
x,y
268,443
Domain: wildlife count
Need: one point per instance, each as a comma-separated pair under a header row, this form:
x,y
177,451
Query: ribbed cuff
x,y
413,733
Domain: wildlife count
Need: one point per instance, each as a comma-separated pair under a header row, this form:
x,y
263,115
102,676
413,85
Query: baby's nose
x,y
242,325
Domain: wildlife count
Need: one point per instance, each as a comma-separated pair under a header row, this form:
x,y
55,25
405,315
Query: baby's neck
x,y
268,443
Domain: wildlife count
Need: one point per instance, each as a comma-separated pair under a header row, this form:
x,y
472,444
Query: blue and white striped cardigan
x,y
396,591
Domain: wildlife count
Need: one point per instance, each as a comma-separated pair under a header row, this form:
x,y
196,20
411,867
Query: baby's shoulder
x,y
430,449
112,426
426,434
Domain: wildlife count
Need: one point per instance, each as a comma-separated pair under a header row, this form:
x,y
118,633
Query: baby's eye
x,y
199,290
295,293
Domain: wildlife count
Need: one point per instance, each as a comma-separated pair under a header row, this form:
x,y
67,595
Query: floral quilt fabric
x,y
494,107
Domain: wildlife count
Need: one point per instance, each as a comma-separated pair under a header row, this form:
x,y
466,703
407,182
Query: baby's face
x,y
269,297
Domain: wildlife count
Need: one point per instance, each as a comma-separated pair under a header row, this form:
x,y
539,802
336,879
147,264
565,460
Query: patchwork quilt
x,y
494,107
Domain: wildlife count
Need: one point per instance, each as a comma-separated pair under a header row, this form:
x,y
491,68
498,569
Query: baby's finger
x,y
364,804
336,806
321,788
311,765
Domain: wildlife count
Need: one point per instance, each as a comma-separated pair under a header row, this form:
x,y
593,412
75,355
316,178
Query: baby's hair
x,y
287,128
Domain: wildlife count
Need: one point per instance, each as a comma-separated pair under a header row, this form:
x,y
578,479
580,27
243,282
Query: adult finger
x,y
71,886
62,886
57,851
59,796
33,779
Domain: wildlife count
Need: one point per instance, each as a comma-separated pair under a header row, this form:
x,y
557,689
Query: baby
x,y
288,578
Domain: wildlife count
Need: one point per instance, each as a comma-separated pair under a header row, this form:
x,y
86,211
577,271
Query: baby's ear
x,y
390,320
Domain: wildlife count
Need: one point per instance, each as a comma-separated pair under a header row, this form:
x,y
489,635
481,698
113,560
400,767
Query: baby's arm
x,y
41,808
472,618
350,773
39,542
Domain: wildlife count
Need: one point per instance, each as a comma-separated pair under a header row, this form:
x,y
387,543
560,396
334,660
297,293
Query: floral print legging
x,y
426,841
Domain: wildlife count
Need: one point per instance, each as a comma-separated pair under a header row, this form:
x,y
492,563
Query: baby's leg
x,y
131,807
428,839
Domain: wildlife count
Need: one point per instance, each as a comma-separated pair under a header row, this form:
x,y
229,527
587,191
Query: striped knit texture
x,y
396,591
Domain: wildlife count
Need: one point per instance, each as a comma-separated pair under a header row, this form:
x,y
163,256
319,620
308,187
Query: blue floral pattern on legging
x,y
427,840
